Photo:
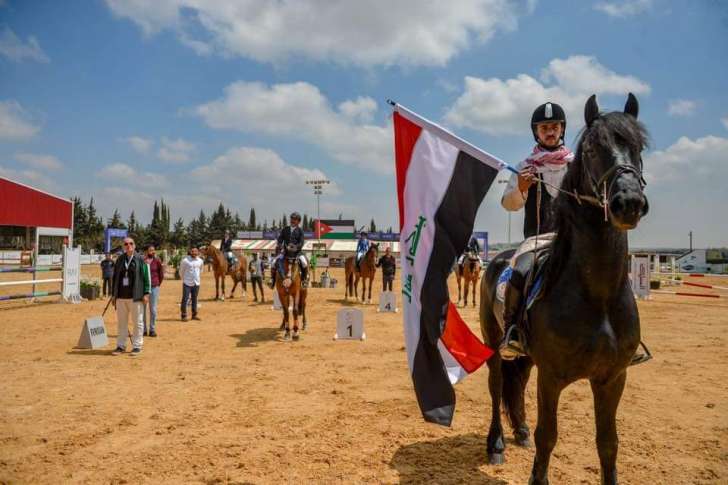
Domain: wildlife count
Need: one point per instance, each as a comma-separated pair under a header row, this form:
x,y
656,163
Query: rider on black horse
x,y
226,246
548,162
473,248
290,244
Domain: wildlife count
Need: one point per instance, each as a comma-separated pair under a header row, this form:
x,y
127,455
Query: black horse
x,y
585,325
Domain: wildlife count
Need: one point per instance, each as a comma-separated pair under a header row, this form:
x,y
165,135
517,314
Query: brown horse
x,y
367,269
221,268
290,291
471,275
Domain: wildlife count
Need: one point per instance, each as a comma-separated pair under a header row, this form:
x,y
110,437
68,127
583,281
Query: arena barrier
x,y
70,280
682,293
702,285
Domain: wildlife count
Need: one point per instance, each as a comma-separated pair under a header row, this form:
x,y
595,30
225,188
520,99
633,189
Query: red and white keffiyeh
x,y
541,157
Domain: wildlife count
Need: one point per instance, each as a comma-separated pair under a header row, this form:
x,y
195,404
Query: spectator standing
x,y
389,268
129,289
156,273
107,273
190,269
257,270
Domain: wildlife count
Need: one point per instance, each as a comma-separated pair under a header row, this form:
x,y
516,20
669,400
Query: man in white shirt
x,y
190,269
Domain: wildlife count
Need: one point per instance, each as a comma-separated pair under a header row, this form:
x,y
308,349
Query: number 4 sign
x,y
387,302
350,324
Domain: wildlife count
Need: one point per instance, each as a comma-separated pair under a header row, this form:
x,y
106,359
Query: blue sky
x,y
200,102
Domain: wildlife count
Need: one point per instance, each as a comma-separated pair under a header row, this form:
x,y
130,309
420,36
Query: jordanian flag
x,y
441,181
334,229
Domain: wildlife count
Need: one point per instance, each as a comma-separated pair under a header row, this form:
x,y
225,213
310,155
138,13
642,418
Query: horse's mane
x,y
607,130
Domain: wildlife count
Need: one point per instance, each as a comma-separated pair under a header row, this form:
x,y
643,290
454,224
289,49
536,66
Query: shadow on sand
x,y
255,336
342,301
454,459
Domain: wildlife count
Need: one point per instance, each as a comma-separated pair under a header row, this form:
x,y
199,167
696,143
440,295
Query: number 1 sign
x,y
350,324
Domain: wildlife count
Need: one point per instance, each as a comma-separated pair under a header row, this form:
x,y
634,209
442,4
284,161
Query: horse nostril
x,y
645,207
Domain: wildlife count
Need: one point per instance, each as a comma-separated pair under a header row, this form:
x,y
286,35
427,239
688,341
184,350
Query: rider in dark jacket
x,y
226,246
290,243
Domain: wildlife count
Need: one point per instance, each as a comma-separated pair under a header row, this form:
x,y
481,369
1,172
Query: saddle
x,y
539,245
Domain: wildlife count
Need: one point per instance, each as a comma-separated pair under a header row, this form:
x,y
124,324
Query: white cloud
x,y
123,173
410,32
681,107
178,150
686,190
15,49
625,8
30,177
15,122
300,111
41,162
139,144
498,107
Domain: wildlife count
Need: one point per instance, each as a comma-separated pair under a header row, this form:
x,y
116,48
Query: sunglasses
x,y
128,244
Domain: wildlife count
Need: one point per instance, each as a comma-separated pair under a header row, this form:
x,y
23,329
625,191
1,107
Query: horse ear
x,y
591,110
632,107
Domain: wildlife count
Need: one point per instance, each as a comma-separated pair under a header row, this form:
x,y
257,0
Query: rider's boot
x,y
460,269
273,272
511,347
304,276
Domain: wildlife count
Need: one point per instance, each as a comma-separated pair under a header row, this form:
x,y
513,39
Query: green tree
x,y
252,222
197,230
178,238
372,226
116,221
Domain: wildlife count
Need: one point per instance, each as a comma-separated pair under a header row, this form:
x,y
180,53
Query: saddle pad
x,y
533,291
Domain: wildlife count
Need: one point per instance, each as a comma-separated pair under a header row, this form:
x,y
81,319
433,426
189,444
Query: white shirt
x,y
513,199
190,269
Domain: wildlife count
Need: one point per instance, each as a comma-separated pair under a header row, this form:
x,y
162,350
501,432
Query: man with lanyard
x,y
227,248
290,243
361,248
131,285
389,268
473,248
548,162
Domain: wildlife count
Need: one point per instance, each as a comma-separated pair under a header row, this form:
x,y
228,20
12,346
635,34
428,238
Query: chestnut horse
x,y
367,269
471,275
221,268
290,290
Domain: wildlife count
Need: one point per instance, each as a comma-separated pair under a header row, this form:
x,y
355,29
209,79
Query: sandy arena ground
x,y
224,400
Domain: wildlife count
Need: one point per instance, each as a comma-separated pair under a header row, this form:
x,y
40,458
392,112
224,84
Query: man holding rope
x,y
548,163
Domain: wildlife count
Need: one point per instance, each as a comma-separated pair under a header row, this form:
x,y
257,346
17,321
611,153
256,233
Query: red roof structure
x,y
22,205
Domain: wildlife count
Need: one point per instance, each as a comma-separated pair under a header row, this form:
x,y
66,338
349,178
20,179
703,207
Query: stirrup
x,y
511,348
641,358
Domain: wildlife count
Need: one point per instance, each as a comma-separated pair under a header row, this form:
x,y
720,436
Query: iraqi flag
x,y
441,181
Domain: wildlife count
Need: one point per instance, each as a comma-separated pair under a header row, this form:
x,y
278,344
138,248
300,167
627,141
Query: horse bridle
x,y
606,182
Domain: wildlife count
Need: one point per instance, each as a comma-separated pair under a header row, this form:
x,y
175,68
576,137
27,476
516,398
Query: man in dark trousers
x,y
107,273
290,243
389,268
156,272
256,267
130,289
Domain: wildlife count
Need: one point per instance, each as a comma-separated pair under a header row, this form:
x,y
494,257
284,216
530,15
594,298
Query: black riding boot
x,y
304,277
512,347
460,269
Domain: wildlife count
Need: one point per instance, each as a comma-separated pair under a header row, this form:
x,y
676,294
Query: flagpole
x,y
468,148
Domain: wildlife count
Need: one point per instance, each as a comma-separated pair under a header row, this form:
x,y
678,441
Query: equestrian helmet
x,y
548,113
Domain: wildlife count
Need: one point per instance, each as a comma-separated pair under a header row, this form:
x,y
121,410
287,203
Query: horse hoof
x,y
282,327
287,336
305,326
496,458
522,437
296,336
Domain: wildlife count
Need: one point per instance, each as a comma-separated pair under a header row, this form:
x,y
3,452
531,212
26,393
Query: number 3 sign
x,y
350,324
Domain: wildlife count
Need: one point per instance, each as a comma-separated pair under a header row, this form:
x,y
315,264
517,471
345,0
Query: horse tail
x,y
515,377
